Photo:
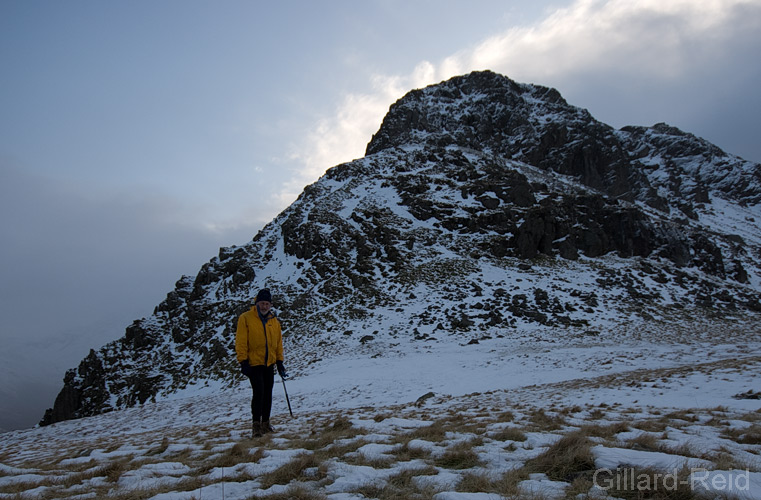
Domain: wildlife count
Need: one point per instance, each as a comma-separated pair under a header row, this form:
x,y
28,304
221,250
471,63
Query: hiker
x,y
259,348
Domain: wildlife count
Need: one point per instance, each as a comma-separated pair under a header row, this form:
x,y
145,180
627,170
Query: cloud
x,y
662,40
626,42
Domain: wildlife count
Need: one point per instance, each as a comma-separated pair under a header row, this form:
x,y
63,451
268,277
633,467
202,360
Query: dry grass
x,y
459,456
237,454
604,431
724,460
504,484
475,482
580,487
404,453
644,442
753,416
750,435
17,488
292,493
290,471
685,415
541,421
565,460
655,425
337,429
639,483
597,414
570,410
510,434
435,433
375,462
401,486
161,448
506,416
113,470
329,439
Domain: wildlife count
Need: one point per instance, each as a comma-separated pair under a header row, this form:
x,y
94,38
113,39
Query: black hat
x,y
264,294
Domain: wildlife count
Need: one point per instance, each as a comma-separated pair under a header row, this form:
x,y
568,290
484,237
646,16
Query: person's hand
x,y
281,370
244,367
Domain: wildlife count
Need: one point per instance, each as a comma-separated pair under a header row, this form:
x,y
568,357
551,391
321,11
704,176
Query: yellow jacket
x,y
251,342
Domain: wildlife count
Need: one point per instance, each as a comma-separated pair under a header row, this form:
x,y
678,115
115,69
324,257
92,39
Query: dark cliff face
x,y
481,192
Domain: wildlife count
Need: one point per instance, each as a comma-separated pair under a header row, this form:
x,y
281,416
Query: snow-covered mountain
x,y
484,210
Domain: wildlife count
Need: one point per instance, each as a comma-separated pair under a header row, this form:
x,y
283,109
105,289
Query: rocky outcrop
x,y
533,124
484,208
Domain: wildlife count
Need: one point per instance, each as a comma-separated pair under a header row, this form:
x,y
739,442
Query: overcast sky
x,y
136,138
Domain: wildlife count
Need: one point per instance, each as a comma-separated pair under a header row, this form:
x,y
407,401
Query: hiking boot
x,y
256,430
266,427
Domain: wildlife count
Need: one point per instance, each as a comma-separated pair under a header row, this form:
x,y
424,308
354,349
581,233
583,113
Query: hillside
x,y
677,411
485,212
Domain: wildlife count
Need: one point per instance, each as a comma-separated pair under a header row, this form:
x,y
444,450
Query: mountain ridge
x,y
484,208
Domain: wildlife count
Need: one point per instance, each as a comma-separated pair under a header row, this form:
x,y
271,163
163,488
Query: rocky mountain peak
x,y
481,111
484,209
488,112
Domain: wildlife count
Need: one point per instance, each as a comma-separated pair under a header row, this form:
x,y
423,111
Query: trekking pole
x,y
286,395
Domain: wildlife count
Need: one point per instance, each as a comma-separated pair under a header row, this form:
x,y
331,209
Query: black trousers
x,y
262,380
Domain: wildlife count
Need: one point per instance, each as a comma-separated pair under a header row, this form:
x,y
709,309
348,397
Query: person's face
x,y
264,306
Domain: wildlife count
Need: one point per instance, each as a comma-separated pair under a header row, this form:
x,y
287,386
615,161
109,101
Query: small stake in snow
x,y
282,379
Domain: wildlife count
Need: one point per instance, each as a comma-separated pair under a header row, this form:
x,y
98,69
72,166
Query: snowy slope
x,y
665,402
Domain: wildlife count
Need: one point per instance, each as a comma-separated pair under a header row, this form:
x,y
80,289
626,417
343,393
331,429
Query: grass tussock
x,y
506,416
570,410
597,414
725,460
237,454
406,484
541,421
565,460
475,482
644,442
384,462
751,435
655,425
435,433
338,429
605,431
639,483
510,434
580,487
292,493
459,456
504,484
161,448
753,416
290,471
18,487
685,415
404,453
113,470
